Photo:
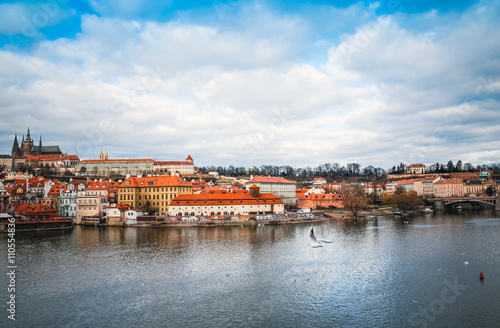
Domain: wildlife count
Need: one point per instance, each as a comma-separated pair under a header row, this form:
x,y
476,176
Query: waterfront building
x,y
415,169
152,194
314,201
4,194
67,199
474,188
220,202
333,187
449,188
281,187
175,167
115,213
35,212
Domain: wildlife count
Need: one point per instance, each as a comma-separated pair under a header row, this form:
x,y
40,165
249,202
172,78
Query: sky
x,y
249,83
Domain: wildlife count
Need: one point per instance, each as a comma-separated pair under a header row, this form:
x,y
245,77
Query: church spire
x,y
101,156
28,137
106,156
15,148
40,144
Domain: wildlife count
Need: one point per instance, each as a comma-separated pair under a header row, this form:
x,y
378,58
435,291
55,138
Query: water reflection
x,y
377,272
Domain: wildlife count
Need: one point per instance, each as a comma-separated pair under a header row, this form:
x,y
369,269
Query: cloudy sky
x,y
254,82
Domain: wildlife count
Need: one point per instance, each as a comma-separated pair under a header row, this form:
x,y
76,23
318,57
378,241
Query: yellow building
x,y
152,194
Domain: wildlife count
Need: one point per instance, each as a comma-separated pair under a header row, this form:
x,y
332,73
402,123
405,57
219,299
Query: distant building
x,y
281,187
415,169
172,167
449,188
314,201
5,162
118,167
425,186
474,187
318,182
27,147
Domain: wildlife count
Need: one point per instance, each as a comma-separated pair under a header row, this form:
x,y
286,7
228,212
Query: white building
x,y
281,187
226,203
173,167
415,169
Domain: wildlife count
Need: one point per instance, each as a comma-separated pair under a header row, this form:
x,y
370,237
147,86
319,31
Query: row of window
x,y
181,189
147,197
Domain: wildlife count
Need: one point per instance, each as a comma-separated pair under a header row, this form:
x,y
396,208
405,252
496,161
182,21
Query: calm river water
x,y
376,273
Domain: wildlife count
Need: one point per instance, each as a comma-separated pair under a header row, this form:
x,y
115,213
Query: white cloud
x,y
252,96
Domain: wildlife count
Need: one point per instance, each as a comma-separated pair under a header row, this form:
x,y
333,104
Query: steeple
x,y
15,148
28,138
23,138
40,144
101,156
106,156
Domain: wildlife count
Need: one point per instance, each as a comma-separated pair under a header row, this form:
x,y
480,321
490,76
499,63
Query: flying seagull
x,y
316,242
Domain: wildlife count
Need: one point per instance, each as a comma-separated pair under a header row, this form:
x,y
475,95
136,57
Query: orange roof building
x,y
226,203
449,188
35,212
314,201
152,194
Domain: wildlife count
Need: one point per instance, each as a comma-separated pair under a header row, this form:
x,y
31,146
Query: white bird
x,y
466,262
316,242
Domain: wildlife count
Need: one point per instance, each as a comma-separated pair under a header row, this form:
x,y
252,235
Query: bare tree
x,y
354,199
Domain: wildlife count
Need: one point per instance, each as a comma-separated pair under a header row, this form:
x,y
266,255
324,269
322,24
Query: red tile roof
x,y
263,179
172,163
37,208
449,181
116,160
56,189
157,181
240,197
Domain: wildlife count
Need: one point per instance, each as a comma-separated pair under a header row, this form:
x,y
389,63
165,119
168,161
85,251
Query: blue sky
x,y
254,82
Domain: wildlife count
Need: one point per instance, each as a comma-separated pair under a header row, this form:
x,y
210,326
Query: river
x,y
377,273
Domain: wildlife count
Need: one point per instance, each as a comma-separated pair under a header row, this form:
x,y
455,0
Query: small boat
x,y
398,213
428,210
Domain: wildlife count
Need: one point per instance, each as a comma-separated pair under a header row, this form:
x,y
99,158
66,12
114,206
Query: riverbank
x,y
217,223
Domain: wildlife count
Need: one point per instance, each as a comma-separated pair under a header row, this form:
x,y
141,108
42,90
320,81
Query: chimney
x,y
254,191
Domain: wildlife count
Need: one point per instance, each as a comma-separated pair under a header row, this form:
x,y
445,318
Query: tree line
x,y
350,170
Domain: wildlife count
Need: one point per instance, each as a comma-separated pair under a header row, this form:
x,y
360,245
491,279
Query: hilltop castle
x,y
27,147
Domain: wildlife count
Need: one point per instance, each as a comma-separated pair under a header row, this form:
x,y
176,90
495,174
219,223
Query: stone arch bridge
x,y
441,203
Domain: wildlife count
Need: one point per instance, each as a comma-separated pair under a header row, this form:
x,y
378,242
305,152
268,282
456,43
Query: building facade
x,y
117,167
281,187
415,169
152,194
226,203
449,188
172,167
314,201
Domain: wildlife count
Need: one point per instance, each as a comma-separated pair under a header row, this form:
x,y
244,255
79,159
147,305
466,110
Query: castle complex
x,y
27,147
